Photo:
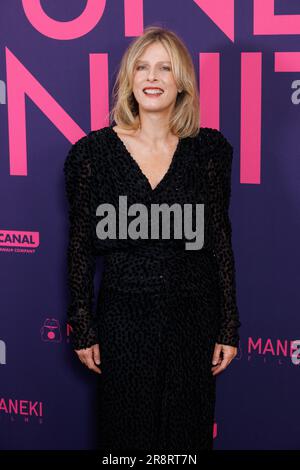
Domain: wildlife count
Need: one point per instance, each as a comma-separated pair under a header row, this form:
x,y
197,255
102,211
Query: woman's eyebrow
x,y
159,62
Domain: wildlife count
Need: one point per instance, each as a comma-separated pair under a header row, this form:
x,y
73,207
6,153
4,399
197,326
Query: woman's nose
x,y
152,74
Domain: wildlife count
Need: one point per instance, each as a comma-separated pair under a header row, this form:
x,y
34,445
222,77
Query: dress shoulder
x,y
214,140
85,158
77,164
78,152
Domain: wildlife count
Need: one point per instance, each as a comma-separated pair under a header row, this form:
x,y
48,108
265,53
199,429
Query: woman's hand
x,y
222,357
90,357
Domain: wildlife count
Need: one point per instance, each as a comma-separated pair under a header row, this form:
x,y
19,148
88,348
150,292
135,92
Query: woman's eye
x,y
165,67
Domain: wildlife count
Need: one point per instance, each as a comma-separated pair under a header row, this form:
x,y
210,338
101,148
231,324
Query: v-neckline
x,y
137,167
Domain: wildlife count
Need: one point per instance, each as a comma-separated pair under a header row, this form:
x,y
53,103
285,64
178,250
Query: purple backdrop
x,y
55,85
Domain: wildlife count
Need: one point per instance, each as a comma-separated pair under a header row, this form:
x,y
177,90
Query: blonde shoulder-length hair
x,y
184,121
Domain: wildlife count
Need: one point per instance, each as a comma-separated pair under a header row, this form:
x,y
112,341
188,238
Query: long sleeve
x,y
219,180
81,259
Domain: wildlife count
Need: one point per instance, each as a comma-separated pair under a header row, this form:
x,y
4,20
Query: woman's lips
x,y
155,93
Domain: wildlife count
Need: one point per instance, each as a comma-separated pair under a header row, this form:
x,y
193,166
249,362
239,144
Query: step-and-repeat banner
x,y
58,63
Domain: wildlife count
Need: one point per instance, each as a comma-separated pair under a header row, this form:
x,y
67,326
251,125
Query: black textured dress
x,y
160,307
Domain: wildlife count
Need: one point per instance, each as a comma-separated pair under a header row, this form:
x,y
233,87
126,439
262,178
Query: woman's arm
x,y
219,181
81,259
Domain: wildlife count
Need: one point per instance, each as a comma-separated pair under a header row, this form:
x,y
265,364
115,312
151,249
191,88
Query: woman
x,y
166,321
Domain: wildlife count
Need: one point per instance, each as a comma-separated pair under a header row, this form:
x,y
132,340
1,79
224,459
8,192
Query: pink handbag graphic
x,y
50,331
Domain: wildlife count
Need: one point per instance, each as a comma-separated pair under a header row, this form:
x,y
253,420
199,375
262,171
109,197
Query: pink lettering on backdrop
x,y
209,84
21,82
266,22
134,17
254,346
287,62
83,24
268,347
251,88
277,347
99,84
73,29
19,238
23,407
15,406
221,12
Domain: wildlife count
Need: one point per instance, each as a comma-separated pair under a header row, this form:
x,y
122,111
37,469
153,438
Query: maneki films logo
x,y
16,408
268,350
220,16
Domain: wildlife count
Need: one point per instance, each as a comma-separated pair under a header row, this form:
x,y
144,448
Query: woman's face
x,y
154,69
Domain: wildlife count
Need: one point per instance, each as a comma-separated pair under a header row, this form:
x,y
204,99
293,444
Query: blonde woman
x,y
166,319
